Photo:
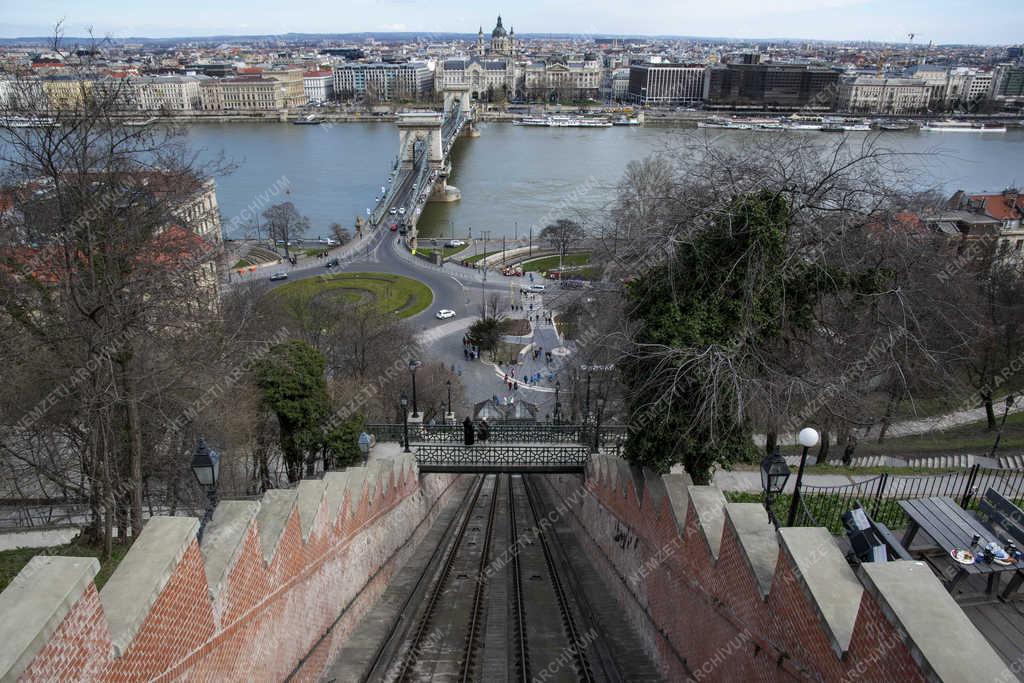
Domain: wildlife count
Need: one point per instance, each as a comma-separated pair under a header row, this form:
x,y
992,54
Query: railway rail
x,y
497,599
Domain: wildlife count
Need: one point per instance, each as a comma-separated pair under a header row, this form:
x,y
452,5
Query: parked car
x,y
279,275
532,289
445,313
332,263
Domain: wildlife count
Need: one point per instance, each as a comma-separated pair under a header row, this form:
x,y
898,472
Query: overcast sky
x,y
941,21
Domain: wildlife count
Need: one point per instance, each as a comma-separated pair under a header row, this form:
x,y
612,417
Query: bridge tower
x,y
458,92
416,126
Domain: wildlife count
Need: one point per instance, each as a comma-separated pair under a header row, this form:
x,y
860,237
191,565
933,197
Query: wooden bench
x,y
1007,520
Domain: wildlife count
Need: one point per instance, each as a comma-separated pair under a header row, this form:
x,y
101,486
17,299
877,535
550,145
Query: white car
x,y
454,243
401,210
531,289
278,276
445,313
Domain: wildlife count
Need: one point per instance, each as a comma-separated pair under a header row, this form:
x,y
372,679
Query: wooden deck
x,y
1001,622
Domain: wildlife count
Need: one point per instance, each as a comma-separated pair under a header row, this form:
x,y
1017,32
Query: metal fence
x,y
501,458
508,431
825,505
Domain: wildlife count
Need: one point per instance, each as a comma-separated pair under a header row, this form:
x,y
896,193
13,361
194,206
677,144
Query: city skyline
x,y
831,20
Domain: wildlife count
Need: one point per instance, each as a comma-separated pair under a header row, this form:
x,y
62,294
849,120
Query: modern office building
x,y
772,85
382,81
654,84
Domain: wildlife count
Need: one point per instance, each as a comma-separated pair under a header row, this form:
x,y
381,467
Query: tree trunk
x,y
890,410
134,448
823,448
990,413
771,440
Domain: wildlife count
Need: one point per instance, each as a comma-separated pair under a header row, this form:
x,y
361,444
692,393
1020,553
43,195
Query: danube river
x,y
513,177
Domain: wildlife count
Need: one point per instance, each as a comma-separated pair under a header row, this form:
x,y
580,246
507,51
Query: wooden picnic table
x,y
952,528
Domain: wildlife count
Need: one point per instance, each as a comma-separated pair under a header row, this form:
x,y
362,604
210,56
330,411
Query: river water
x,y
514,177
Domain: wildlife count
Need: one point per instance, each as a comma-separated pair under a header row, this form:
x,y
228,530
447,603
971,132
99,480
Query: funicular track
x,y
498,602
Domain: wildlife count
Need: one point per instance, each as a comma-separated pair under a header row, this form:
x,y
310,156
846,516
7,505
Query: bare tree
x,y
285,224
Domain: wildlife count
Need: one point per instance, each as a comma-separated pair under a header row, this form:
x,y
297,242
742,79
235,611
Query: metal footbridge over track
x,y
514,447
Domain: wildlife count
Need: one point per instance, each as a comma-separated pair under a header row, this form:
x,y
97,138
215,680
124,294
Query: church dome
x,y
499,30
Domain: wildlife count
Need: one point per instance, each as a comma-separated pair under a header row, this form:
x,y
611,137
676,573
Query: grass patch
x,y
446,252
396,294
243,263
514,326
974,437
505,351
473,259
551,262
12,561
827,510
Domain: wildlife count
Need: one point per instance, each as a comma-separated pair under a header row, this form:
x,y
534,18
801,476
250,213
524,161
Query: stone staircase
x,y
951,462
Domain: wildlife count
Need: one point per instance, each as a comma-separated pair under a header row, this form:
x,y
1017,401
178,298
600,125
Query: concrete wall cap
x,y
310,499
142,574
677,488
224,538
271,520
826,579
35,603
709,504
758,540
943,641
654,485
337,484
356,483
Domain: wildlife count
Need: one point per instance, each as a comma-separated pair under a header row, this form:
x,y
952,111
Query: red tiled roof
x,y
998,206
317,73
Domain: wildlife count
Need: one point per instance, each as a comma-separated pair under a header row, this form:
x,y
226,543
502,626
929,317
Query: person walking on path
x,y
468,431
364,446
483,432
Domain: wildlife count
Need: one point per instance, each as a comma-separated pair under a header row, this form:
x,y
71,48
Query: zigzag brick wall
x,y
719,595
270,581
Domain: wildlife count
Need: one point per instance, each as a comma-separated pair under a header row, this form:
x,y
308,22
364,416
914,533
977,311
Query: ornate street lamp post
x,y
808,438
206,469
774,474
449,384
404,402
413,367
558,405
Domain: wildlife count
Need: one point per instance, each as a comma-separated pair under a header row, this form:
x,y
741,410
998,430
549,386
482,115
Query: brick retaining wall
x,y
718,594
268,582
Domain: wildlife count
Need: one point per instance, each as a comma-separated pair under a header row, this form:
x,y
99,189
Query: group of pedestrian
x,y
470,351
537,351
470,433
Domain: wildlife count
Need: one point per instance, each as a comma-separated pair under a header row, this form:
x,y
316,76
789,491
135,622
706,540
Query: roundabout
x,y
392,293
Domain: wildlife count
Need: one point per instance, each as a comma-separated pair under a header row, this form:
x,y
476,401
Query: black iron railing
x,y
500,458
506,431
825,505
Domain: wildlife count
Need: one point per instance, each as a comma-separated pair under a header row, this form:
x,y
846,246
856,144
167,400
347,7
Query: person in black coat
x,y
483,432
467,431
